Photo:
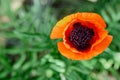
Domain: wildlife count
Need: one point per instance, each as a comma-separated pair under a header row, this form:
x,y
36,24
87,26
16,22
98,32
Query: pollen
x,y
80,36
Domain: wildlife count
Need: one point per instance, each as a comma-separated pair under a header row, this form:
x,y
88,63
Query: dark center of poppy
x,y
80,36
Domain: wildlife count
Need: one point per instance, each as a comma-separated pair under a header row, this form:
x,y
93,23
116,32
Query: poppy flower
x,y
84,35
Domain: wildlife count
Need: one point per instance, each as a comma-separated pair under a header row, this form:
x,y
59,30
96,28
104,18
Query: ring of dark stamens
x,y
80,36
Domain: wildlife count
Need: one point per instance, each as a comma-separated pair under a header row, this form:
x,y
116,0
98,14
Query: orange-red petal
x,y
102,33
72,55
92,18
58,29
99,48
82,55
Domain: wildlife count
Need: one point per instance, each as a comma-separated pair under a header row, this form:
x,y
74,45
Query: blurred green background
x,y
28,53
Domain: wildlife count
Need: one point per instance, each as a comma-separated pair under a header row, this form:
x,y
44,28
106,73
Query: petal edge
x,y
71,55
58,29
102,45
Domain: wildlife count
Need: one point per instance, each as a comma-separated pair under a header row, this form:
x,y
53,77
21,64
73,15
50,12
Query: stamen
x,y
80,36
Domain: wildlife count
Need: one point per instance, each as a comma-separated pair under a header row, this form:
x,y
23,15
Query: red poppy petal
x,y
92,18
102,33
58,29
99,48
84,55
71,55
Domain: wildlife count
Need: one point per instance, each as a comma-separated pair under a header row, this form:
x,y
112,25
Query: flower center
x,y
80,36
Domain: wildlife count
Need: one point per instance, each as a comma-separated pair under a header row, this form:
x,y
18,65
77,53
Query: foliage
x,y
27,52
